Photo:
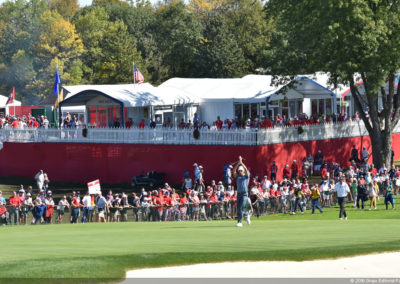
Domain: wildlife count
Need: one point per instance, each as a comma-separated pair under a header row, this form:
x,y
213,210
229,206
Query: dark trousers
x,y
298,200
362,199
342,202
240,203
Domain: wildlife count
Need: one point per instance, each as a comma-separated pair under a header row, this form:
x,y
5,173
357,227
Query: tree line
x,y
97,44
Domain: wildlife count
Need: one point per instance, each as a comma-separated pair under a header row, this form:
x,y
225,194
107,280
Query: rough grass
x,y
103,252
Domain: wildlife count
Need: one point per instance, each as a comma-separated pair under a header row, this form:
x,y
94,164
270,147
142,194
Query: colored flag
x,y
138,76
59,99
57,83
11,97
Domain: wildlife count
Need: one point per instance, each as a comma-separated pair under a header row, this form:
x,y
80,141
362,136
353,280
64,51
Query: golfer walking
x,y
342,190
242,175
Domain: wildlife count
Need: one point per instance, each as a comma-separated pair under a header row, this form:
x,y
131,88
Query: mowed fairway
x,y
103,252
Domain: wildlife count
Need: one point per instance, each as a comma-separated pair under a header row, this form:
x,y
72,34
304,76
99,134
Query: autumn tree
x,y
109,49
60,46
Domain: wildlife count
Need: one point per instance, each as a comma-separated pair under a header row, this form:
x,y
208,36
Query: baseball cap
x,y
240,168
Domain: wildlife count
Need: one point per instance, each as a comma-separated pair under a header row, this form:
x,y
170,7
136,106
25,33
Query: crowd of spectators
x,y
72,121
247,123
197,200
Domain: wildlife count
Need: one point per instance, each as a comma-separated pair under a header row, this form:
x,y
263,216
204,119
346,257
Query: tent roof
x,y
130,95
3,100
251,87
177,91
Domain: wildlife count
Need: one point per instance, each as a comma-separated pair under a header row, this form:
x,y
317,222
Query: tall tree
x,y
219,52
352,40
109,49
19,31
177,34
66,8
59,45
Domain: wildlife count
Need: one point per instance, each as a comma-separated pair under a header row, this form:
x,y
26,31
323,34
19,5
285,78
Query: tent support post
x,y
122,115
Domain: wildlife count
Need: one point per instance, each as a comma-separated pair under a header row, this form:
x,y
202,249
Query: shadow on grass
x,y
110,269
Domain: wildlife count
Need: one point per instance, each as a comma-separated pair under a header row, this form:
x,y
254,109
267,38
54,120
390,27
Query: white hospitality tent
x,y
180,98
7,109
257,95
105,103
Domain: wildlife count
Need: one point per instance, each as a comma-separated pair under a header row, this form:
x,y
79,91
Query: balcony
x,y
239,137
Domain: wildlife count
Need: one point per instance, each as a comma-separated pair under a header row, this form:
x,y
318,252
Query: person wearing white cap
x,y
242,182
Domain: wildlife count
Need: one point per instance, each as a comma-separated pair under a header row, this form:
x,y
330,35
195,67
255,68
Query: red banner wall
x,y
116,163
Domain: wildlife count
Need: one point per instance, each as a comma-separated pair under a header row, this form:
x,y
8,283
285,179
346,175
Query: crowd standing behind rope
x,y
359,183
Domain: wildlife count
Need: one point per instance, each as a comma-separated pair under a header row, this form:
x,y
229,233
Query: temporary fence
x,y
203,211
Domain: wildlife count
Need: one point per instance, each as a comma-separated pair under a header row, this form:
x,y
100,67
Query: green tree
x,y
109,49
219,53
19,31
66,8
60,46
247,21
350,39
177,33
139,18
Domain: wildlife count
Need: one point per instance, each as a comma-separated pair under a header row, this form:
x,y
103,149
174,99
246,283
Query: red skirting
x,y
116,163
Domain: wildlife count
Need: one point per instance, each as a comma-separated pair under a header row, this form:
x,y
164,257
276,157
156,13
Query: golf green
x,y
103,252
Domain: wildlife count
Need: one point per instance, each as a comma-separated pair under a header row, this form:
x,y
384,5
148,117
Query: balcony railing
x,y
177,136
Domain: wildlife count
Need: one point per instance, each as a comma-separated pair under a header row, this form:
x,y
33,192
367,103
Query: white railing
x,y
131,136
185,137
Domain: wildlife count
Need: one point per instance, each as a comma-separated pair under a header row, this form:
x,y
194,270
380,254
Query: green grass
x,y
103,252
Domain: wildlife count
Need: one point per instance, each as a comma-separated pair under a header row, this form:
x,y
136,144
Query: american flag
x,y
137,75
11,97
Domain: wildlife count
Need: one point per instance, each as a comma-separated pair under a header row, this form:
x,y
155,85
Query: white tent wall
x,y
307,106
137,114
210,110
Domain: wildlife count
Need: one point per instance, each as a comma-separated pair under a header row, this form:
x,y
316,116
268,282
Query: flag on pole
x,y
59,99
11,97
57,83
137,75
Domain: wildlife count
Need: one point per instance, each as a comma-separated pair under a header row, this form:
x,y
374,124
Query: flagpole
x,y
58,91
133,69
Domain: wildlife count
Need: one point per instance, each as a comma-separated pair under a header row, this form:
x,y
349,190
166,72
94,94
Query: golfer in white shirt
x,y
342,191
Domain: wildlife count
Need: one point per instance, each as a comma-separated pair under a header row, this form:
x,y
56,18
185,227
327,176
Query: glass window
x,y
292,108
254,111
299,107
238,110
321,106
328,105
246,111
314,107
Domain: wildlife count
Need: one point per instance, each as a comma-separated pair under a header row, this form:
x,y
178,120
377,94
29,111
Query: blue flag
x,y
57,82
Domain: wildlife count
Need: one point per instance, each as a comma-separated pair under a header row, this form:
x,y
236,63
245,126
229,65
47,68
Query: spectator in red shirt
x,y
219,123
182,124
295,170
129,123
159,203
286,172
324,173
142,125
15,205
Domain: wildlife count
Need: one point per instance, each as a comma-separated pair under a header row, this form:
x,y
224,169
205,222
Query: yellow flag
x,y
59,98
